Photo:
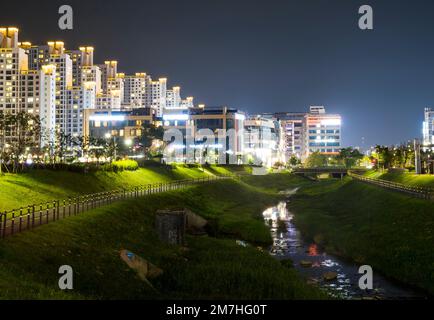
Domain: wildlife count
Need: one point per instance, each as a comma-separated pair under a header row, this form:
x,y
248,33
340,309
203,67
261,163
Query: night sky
x,y
265,56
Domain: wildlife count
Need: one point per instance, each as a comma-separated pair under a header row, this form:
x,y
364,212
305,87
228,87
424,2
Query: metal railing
x,y
321,170
418,192
32,216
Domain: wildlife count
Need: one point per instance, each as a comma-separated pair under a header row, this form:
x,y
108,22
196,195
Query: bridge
x,y
335,172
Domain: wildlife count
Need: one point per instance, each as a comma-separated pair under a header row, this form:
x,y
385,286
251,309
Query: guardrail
x,y
321,169
32,216
418,192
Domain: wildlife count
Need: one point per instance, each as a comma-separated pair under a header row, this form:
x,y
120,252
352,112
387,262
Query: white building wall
x,y
47,104
428,127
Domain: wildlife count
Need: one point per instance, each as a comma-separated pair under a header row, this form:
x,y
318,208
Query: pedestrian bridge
x,y
338,172
321,170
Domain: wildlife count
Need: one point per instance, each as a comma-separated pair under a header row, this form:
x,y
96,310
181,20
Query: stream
x,y
315,264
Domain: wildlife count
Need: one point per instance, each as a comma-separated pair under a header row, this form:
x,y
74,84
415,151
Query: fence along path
x,y
418,192
32,216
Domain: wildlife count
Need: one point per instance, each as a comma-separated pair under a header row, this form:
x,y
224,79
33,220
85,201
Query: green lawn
x,y
20,190
211,267
411,179
388,230
276,182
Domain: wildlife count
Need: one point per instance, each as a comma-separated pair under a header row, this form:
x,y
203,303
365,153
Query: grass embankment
x,y
211,267
34,187
390,231
273,183
408,178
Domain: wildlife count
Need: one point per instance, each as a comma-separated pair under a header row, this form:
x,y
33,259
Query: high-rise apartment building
x,y
90,73
135,90
38,97
109,70
187,103
155,95
24,90
77,63
13,61
63,63
173,98
79,99
112,85
38,55
428,128
47,104
116,88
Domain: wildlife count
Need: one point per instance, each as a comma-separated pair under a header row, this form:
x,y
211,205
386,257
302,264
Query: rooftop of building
x,y
214,110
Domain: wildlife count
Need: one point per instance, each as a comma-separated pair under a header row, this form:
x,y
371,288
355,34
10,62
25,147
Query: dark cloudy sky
x,y
264,56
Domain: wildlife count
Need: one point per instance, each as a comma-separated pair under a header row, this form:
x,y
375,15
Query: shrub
x,y
121,165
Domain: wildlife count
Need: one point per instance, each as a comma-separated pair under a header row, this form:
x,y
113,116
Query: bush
x,y
121,165
116,166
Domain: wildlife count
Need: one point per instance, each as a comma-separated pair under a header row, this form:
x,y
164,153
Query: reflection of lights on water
x,y
290,245
329,263
313,250
276,213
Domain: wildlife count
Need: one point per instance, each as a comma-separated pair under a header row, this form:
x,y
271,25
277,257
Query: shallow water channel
x,y
315,264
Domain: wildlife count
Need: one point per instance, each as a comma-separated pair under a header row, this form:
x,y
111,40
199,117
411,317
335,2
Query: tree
x,y
63,141
294,161
383,156
24,130
350,157
316,160
150,134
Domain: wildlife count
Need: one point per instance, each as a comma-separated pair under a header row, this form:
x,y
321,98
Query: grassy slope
x,y
45,185
390,231
273,183
20,190
405,178
211,268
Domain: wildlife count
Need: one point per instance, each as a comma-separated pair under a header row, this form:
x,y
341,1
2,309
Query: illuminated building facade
x,y
173,98
21,89
187,103
112,86
115,123
322,132
207,134
63,63
77,63
262,141
39,55
135,89
155,95
428,128
79,99
293,132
